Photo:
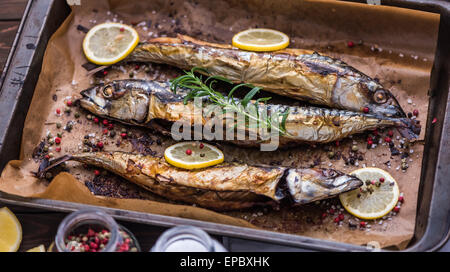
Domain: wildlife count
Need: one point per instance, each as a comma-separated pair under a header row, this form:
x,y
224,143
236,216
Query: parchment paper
x,y
394,45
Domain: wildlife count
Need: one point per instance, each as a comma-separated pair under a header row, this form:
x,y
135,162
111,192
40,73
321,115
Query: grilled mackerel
x,y
300,74
227,186
152,104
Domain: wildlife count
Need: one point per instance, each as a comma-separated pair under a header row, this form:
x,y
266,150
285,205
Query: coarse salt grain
x,y
409,101
401,55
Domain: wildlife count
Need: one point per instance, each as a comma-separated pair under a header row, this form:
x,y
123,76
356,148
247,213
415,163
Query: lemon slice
x,y
371,201
108,43
261,39
40,248
193,155
10,231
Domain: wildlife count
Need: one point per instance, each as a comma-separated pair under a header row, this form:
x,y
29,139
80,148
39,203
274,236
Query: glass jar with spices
x,y
186,239
93,230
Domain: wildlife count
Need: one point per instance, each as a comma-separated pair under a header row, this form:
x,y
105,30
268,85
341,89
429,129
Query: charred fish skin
x,y
227,186
300,74
139,102
306,185
149,170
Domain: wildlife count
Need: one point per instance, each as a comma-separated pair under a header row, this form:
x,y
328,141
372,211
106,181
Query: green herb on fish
x,y
229,103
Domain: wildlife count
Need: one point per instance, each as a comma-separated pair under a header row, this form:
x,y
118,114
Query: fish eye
x,y
107,91
380,97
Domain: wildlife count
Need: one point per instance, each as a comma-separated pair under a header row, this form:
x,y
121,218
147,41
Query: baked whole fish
x,y
296,73
226,186
152,104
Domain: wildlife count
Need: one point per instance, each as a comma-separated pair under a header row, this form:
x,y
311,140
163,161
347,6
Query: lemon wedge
x,y
260,39
193,155
10,231
108,43
375,198
40,248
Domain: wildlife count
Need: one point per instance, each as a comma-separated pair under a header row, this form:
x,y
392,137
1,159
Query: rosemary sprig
x,y
198,88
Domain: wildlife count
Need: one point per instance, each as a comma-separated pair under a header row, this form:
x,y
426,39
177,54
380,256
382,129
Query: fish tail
x,y
47,165
408,128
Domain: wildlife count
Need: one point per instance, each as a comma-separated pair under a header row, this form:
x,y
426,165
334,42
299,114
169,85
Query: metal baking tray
x,y
43,17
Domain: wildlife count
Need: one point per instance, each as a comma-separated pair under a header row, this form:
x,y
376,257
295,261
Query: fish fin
x,y
47,165
165,40
408,128
203,43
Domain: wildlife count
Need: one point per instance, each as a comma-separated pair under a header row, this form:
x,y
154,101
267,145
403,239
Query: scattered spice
x,y
188,152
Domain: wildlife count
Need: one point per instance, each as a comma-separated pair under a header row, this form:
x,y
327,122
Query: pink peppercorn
x,y
387,139
341,216
123,135
416,112
366,110
96,172
96,120
188,151
110,126
69,103
91,232
105,131
58,111
105,122
86,248
58,149
390,133
336,220
397,209
370,142
105,72
331,211
100,145
362,224
57,140
350,44
201,145
401,199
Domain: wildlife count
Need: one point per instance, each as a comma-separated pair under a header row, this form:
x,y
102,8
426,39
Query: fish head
x,y
308,185
382,102
122,100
